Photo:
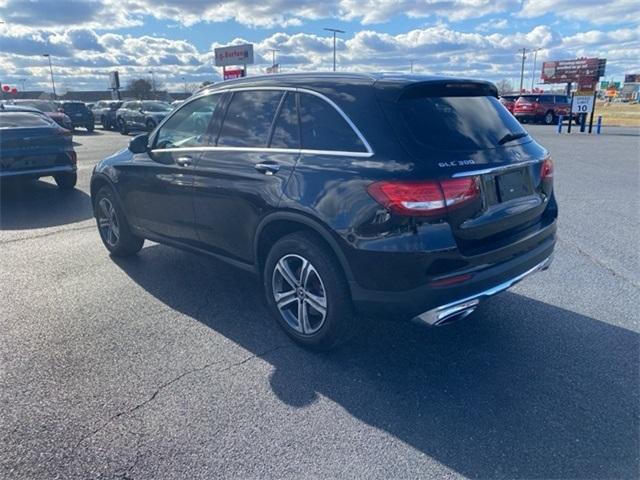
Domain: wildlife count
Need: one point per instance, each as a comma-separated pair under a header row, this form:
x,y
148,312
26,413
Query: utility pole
x,y
524,51
53,84
334,30
533,70
23,81
185,84
411,66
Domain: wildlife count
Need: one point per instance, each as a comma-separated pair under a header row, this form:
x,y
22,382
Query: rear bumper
x,y
38,172
463,307
429,302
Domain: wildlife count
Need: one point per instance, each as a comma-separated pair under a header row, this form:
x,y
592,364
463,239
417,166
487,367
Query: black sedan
x,y
34,146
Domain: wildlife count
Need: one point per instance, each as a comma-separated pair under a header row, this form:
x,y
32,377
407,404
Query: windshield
x,y
73,106
155,106
23,120
43,106
458,123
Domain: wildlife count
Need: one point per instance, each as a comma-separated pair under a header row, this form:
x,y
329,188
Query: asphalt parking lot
x,y
168,366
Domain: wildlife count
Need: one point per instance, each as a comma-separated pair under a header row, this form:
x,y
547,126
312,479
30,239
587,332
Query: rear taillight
x,y
425,198
546,170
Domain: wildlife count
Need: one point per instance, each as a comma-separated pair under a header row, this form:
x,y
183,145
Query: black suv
x,y
105,112
349,194
79,114
141,115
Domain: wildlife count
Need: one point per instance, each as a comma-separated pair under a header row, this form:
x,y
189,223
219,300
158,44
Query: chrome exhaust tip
x,y
443,316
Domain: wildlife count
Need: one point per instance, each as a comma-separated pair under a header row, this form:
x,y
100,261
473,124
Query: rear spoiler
x,y
388,89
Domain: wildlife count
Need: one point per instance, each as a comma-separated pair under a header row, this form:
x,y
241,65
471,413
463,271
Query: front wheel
x,y
114,230
91,127
66,181
122,126
307,293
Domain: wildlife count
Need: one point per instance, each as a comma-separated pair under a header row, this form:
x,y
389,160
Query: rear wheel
x,y
91,127
307,293
66,181
151,125
549,118
112,225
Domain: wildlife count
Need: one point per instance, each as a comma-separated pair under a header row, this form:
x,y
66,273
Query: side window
x,y
323,128
286,130
249,118
188,126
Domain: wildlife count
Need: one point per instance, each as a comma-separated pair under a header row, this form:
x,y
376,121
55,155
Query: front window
x,y
188,126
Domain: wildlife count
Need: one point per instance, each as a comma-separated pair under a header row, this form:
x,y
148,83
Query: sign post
x,y
570,114
593,110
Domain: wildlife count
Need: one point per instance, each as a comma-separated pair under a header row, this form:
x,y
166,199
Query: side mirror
x,y
139,143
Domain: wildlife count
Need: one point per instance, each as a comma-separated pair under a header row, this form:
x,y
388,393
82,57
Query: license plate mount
x,y
514,184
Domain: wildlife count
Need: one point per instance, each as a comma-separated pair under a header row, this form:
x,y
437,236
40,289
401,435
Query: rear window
x,y
155,106
73,107
457,122
40,105
23,120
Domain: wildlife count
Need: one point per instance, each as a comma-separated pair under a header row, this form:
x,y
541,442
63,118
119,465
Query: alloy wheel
x,y
299,294
108,222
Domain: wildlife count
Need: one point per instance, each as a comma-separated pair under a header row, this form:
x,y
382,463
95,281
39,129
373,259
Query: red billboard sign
x,y
585,71
230,74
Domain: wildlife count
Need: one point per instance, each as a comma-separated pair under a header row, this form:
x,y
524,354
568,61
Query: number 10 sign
x,y
582,104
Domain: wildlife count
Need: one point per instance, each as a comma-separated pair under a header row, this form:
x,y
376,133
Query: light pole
x,y
53,84
273,58
153,82
533,70
524,51
411,66
23,81
334,30
185,84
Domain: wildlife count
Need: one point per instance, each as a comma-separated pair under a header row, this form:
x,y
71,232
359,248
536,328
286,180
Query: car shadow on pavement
x,y
521,389
39,204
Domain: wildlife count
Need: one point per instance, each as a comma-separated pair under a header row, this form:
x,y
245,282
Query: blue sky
x,y
472,38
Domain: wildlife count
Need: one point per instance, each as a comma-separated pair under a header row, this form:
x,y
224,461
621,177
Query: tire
x,y
66,181
106,125
113,228
549,118
151,124
122,126
91,127
323,293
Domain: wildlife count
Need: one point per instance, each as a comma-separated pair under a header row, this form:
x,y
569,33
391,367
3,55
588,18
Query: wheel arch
x,y
279,224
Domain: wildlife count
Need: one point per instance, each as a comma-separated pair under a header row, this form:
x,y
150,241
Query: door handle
x,y
184,161
267,168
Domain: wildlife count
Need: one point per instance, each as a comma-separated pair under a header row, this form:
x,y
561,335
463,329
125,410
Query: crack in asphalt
x,y
171,382
598,262
48,234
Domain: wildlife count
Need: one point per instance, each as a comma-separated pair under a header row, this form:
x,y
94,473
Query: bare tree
x,y
504,86
140,88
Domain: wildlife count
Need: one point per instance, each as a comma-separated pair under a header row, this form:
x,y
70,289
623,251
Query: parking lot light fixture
x,y
53,84
334,30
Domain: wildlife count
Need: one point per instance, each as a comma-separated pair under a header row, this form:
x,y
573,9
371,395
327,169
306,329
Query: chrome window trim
x,y
296,151
501,168
369,151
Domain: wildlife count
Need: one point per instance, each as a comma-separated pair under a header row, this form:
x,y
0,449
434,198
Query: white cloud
x,y
594,11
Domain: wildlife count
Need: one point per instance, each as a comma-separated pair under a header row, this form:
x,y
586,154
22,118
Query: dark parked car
x,y
141,115
34,146
48,108
79,114
544,108
349,194
105,112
